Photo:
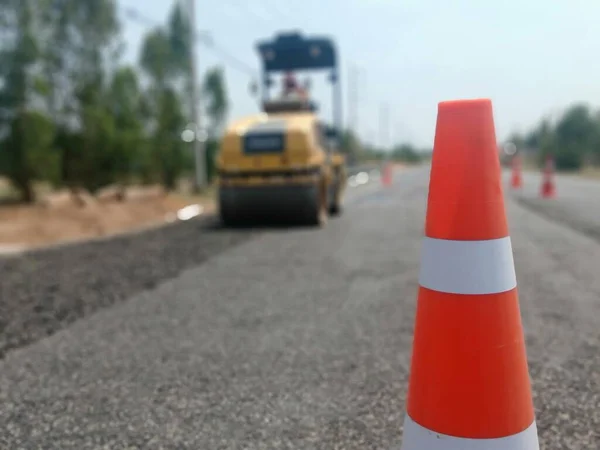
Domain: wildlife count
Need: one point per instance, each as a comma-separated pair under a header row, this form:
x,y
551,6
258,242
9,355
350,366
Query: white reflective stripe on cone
x,y
415,437
468,267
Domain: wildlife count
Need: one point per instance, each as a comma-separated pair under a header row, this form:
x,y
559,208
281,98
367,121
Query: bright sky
x,y
531,57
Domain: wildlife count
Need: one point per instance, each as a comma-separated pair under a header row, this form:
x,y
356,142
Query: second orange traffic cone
x,y
469,384
388,174
548,189
516,180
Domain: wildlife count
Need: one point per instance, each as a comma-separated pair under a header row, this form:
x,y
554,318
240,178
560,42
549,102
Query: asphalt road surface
x,y
577,201
300,339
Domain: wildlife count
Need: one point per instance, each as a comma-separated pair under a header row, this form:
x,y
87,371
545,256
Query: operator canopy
x,y
290,52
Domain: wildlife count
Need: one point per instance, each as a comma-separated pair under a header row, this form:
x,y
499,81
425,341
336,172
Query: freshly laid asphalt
x,y
576,204
297,338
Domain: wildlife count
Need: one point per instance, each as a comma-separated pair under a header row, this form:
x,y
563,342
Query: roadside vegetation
x,y
73,115
79,123
572,139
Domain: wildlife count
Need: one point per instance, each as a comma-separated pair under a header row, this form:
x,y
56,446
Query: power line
x,y
276,7
234,61
260,13
203,38
198,144
267,13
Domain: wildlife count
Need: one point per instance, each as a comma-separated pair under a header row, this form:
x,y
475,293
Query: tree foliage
x,y
357,151
215,93
573,139
19,53
71,113
407,153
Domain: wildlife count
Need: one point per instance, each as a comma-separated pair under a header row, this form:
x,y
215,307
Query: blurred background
x,y
97,95
153,330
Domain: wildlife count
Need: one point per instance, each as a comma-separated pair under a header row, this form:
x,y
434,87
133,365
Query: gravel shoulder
x,y
43,291
298,339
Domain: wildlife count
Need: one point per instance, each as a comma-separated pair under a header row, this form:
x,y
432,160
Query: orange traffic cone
x,y
548,189
516,180
387,175
469,385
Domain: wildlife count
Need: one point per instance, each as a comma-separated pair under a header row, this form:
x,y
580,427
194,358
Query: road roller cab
x,y
283,162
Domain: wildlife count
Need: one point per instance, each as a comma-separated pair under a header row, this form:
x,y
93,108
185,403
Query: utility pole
x,y
355,76
352,97
196,114
384,132
352,105
384,126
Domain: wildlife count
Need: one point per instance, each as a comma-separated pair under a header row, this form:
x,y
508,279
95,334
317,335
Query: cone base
x,y
416,437
550,193
469,372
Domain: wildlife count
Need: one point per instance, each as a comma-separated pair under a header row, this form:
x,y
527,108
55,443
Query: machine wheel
x,y
335,209
227,219
226,214
317,210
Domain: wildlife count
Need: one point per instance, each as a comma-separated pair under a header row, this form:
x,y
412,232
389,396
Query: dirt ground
x,y
62,217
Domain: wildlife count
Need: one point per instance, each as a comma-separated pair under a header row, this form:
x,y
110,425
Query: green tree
x,y
27,155
534,139
92,160
571,140
83,39
406,153
350,146
160,58
575,134
180,38
156,57
594,156
126,106
214,94
217,105
26,133
518,140
169,150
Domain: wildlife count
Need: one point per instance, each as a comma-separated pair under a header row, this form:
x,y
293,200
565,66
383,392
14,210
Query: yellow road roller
x,y
284,162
